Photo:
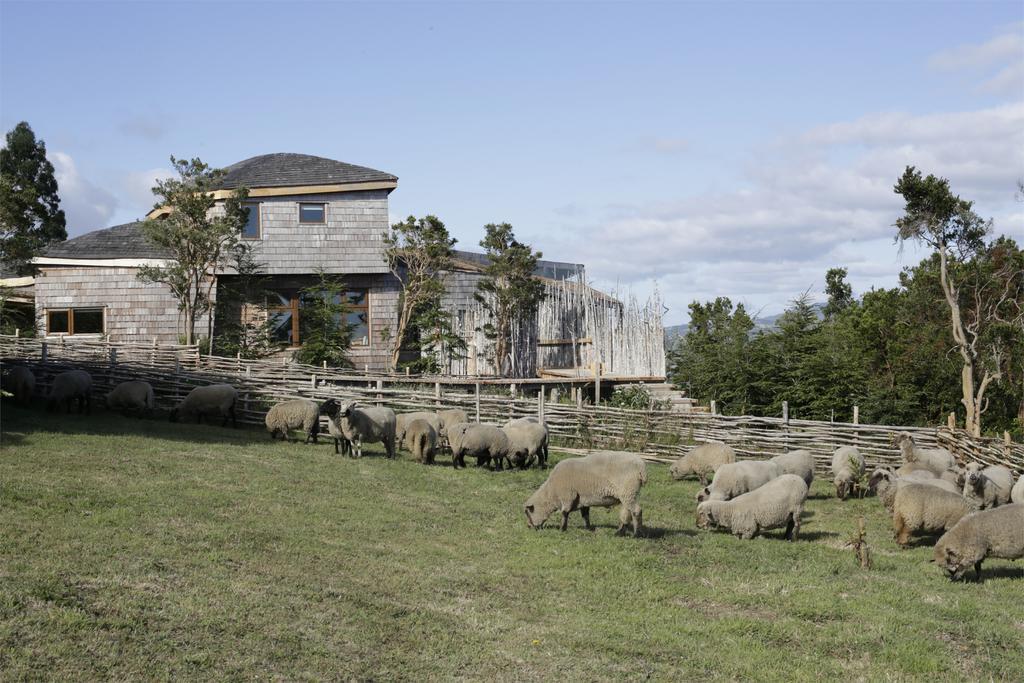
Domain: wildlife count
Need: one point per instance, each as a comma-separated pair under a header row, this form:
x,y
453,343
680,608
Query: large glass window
x,y
74,321
285,314
359,317
312,213
252,231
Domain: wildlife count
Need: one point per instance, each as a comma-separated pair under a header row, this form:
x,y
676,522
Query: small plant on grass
x,y
859,543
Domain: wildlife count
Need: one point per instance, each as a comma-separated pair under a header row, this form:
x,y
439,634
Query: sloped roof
x,y
120,241
287,170
553,270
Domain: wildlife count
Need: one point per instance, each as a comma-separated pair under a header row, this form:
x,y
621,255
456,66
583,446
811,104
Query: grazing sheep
x,y
778,503
885,483
847,471
421,440
402,421
736,478
356,424
528,441
213,399
921,508
800,463
703,461
73,385
134,397
450,417
1017,494
487,443
990,533
938,460
300,413
601,479
915,469
21,384
987,487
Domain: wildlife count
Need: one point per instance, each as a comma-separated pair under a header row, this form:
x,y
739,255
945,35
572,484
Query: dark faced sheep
x,y
358,424
69,387
214,400
998,532
21,384
133,397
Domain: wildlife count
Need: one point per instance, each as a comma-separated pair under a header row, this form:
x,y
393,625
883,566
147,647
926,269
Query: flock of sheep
x,y
979,509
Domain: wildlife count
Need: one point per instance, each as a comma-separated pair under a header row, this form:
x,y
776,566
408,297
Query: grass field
x,y
134,549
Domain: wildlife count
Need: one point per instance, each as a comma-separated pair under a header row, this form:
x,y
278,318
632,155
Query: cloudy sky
x,y
735,149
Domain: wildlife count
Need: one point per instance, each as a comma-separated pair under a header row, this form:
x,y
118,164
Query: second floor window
x,y
312,213
251,231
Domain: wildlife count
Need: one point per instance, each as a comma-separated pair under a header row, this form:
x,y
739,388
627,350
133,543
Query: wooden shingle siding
x,y
133,310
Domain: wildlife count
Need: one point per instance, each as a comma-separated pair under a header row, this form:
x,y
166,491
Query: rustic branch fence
x,y
175,370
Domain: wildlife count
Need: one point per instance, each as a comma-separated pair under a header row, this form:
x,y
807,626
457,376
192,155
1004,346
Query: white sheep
x,y
847,471
703,461
449,417
20,383
938,460
800,463
987,487
778,503
736,478
299,413
528,441
601,479
356,424
1017,494
487,443
402,421
213,399
885,483
73,385
134,396
421,440
922,508
998,532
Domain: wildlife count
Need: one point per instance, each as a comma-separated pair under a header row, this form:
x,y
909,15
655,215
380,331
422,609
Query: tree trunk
x,y
972,404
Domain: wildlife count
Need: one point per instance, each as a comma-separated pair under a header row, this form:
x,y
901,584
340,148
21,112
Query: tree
x,y
948,224
839,291
325,330
419,252
244,328
198,238
30,214
508,290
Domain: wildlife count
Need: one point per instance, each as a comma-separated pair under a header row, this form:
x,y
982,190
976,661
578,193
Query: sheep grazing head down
x,y
705,517
704,494
537,510
951,563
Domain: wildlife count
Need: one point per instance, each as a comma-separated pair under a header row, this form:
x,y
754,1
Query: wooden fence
x,y
175,370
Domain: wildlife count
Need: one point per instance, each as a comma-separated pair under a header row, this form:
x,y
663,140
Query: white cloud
x,y
1001,58
86,206
137,188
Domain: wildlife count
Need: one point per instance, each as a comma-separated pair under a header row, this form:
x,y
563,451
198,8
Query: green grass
x,y
135,549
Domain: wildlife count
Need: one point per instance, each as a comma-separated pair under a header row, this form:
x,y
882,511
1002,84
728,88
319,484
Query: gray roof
x,y
286,170
554,270
120,241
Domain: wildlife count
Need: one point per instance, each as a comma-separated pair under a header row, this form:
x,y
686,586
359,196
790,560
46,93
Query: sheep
x,y
402,421
778,503
21,384
915,470
885,483
213,399
987,487
990,533
938,460
922,508
704,460
601,479
134,396
847,471
489,444
450,417
800,463
421,440
528,441
300,413
73,385
1017,494
736,478
356,424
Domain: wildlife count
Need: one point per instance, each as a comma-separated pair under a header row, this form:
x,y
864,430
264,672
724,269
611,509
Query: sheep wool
x,y
528,442
300,413
920,508
134,396
800,463
1017,494
210,400
779,503
998,532
450,417
21,384
987,487
487,443
703,461
938,460
71,386
847,471
402,421
736,478
421,440
357,424
601,479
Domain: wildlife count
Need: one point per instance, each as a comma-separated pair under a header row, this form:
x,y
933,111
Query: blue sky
x,y
735,149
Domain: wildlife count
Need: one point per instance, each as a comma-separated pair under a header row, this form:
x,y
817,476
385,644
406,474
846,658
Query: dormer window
x,y
312,213
251,231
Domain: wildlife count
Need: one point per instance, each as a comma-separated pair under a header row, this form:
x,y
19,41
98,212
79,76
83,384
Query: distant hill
x,y
766,322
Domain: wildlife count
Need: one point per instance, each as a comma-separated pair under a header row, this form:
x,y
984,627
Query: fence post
x,y
437,394
476,385
951,421
579,398
540,403
312,382
597,382
380,388
113,356
785,421
856,415
17,332
714,407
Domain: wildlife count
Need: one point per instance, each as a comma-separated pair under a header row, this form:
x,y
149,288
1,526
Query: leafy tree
x,y
508,290
30,214
198,238
839,291
977,301
244,328
419,253
325,330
